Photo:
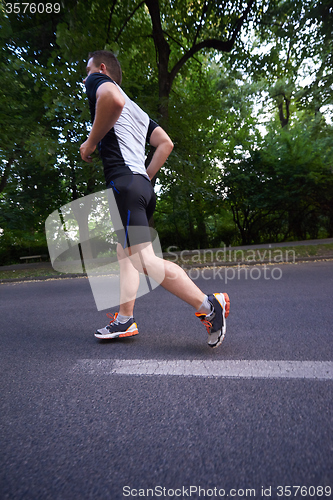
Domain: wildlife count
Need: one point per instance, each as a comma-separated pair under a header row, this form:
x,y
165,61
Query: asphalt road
x,y
74,426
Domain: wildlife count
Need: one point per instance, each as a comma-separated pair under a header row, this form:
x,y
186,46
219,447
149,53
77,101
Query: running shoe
x,y
215,321
116,329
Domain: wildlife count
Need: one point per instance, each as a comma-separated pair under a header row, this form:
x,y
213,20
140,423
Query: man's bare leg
x,y
212,310
168,274
123,323
129,282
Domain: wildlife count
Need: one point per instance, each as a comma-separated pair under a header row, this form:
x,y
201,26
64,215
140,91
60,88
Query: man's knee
x,y
143,259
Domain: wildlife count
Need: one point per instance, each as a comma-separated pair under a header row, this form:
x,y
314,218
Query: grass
x,y
32,273
314,250
274,255
253,255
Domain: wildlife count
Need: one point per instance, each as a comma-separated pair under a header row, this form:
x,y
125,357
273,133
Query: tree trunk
x,y
284,118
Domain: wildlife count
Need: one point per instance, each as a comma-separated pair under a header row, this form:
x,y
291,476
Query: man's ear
x,y
102,69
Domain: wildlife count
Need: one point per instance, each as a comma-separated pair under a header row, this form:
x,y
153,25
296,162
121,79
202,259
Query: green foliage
x,y
20,243
191,68
285,190
292,56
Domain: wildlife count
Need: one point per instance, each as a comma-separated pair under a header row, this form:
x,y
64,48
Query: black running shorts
x,y
136,202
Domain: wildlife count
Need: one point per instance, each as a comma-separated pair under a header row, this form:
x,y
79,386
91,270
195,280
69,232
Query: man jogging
x,y
120,130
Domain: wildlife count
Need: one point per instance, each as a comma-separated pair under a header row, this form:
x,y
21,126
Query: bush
x,y
16,244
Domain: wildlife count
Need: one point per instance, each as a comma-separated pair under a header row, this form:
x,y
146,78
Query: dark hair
x,y
111,62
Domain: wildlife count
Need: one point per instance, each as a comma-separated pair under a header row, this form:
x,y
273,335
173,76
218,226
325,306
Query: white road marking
x,y
316,370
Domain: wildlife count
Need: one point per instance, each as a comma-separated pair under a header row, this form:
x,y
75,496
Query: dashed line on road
x,y
315,370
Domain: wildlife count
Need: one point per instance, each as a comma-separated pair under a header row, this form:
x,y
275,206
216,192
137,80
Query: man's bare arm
x,y
109,105
163,144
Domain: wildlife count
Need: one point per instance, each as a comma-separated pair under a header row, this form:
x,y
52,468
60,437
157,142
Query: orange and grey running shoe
x,y
116,329
215,321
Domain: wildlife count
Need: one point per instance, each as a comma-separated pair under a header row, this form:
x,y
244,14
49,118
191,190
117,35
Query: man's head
x,y
103,61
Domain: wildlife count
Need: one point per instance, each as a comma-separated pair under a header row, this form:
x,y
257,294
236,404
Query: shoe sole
x,y
116,335
226,309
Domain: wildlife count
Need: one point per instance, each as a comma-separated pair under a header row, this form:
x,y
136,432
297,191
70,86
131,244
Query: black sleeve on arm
x,y
93,82
151,127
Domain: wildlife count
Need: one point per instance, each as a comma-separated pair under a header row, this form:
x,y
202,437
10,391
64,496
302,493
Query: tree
x,y
191,66
285,189
292,43
209,25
